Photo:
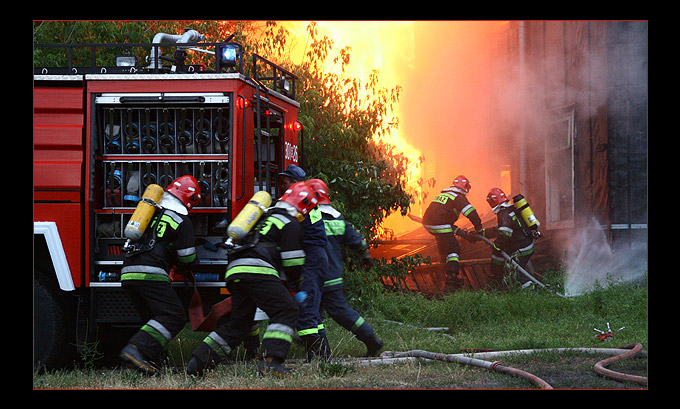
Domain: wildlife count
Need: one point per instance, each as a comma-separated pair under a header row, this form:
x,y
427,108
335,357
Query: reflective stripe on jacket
x,y
169,240
279,249
445,210
339,233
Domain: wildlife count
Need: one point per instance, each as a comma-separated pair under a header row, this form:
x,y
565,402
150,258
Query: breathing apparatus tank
x,y
527,215
251,213
144,212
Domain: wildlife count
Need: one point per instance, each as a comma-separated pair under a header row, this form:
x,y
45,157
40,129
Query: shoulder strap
x,y
251,240
146,243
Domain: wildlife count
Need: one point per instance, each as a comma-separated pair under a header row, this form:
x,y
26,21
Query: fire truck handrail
x,y
155,56
144,76
278,76
283,81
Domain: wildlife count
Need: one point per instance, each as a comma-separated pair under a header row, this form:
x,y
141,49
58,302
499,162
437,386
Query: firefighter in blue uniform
x,y
254,279
511,237
341,233
439,219
168,241
310,327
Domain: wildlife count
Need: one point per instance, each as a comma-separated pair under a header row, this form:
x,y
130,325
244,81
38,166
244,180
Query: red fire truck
x,y
104,131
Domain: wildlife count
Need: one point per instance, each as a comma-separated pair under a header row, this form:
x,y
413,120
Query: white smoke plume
x,y
592,262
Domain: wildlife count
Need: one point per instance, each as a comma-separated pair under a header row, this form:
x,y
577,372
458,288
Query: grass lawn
x,y
534,319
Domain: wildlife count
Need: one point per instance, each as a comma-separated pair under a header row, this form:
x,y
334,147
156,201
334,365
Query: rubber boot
x,y
204,358
373,345
314,345
272,366
453,282
134,356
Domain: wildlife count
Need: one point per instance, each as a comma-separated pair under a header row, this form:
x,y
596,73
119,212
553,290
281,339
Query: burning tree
x,y
343,121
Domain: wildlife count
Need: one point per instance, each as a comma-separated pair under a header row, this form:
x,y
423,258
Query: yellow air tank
x,y
144,212
527,215
251,213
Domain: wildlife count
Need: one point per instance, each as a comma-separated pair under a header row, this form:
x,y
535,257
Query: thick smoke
x,y
462,97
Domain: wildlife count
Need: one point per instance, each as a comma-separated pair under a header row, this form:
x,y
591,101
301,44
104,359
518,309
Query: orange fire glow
x,y
446,100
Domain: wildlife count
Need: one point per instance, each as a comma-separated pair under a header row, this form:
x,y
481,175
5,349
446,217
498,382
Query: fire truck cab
x,y
104,131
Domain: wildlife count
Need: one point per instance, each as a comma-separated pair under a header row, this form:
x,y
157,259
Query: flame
x,y
446,108
383,46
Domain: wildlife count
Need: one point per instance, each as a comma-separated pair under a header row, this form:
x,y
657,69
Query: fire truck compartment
x,y
161,124
144,138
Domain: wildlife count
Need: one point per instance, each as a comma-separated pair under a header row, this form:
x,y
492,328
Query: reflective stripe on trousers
x,y
452,257
158,332
279,331
218,344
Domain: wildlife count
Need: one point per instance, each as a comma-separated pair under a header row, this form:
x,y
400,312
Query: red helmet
x,y
321,189
186,189
301,196
496,197
462,183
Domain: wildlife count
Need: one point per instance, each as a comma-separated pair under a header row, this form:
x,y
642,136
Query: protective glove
x,y
367,260
300,297
466,235
471,236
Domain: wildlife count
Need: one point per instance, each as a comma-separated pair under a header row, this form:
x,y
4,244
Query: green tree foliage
x,y
343,118
115,32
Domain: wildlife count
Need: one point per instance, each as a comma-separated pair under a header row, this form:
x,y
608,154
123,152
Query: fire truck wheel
x,y
51,348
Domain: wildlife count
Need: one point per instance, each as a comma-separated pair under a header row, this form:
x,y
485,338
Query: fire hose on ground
x,y
505,255
626,352
514,263
601,366
494,366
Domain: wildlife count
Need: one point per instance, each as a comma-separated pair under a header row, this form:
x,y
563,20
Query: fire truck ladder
x,y
269,139
264,164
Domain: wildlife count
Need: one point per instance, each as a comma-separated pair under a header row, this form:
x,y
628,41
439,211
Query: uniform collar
x,y
169,201
287,208
501,206
328,209
454,190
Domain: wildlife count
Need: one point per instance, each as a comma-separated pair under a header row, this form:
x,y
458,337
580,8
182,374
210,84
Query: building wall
x,y
627,132
582,123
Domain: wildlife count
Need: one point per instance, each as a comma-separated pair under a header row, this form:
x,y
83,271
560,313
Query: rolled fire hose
x,y
522,270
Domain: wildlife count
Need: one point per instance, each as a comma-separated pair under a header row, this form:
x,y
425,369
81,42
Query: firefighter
x,y
341,233
310,325
292,174
168,241
439,219
254,280
511,237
